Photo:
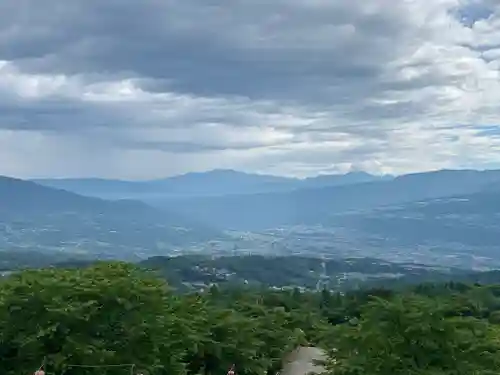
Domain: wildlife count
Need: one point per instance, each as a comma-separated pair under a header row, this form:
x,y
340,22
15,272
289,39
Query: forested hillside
x,y
195,271
121,319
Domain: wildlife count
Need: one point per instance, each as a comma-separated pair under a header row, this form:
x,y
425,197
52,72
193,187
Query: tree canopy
x,y
113,314
413,335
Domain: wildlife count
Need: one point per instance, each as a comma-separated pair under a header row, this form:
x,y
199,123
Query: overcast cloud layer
x,y
150,88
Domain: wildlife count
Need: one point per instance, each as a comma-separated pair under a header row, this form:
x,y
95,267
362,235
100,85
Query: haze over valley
x,y
447,217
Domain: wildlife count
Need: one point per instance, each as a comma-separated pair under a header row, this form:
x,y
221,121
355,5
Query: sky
x,y
152,88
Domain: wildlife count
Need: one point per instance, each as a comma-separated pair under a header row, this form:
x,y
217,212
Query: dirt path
x,y
301,361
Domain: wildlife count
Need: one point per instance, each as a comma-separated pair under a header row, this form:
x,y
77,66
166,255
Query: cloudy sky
x,y
151,88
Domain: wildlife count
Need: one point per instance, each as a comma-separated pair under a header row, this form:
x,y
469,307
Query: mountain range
x,y
213,183
446,209
319,205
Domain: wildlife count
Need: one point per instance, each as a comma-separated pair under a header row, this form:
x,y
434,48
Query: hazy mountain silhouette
x,y
212,183
318,205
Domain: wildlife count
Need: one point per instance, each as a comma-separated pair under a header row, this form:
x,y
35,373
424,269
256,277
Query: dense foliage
x,y
116,313
186,272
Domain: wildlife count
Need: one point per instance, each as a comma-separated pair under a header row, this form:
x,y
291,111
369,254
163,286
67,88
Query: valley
x,y
341,242
437,218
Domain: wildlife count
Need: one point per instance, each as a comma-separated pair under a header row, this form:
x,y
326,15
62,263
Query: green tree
x,y
98,315
411,335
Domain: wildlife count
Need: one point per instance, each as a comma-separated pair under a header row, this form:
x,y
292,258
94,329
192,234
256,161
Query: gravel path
x,y
301,361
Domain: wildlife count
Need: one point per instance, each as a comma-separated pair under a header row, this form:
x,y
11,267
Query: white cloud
x,y
290,87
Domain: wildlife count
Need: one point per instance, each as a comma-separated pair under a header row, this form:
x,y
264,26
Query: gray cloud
x,y
289,86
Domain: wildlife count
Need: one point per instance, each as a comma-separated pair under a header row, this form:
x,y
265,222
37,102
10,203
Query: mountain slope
x,y
212,183
471,222
319,205
33,217
283,271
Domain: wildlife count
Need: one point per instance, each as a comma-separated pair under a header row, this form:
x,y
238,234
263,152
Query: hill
x,y
471,222
212,183
34,217
198,271
320,205
186,273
